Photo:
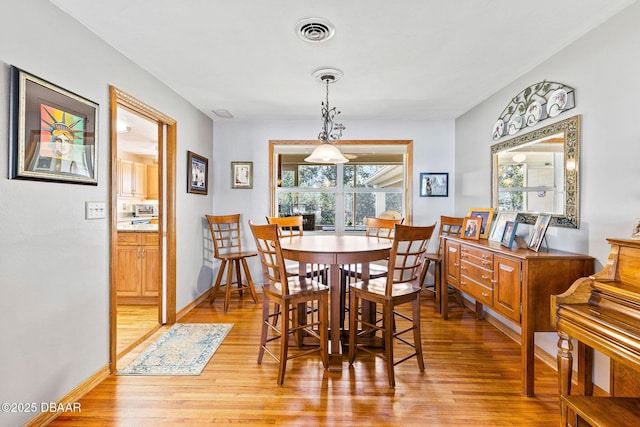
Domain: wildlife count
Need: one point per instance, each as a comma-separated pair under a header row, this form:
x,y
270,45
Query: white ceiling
x,y
415,59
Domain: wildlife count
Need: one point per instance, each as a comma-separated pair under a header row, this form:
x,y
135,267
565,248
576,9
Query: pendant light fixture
x,y
327,153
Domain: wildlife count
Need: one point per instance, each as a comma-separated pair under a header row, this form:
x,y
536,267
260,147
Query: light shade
x,y
326,153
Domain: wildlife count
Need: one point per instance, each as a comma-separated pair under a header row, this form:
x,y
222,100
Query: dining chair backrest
x,y
449,226
288,226
407,255
270,253
381,227
225,233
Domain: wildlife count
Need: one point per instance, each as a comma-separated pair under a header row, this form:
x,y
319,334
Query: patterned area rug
x,y
184,349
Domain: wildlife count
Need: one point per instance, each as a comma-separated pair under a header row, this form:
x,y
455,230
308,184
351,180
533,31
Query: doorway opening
x,y
142,251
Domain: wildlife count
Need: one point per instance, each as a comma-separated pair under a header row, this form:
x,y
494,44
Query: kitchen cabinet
x,y
138,264
515,283
152,182
132,177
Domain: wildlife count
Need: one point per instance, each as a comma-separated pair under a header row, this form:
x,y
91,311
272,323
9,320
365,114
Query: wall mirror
x,y
537,172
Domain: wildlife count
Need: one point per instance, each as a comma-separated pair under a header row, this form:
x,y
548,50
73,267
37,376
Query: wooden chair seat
x,y
227,245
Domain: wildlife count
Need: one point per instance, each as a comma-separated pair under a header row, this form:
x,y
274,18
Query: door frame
x,y
167,209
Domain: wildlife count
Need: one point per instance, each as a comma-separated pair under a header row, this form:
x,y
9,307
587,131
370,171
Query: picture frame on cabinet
x,y
241,174
487,218
499,223
434,184
197,174
53,132
509,233
471,228
538,232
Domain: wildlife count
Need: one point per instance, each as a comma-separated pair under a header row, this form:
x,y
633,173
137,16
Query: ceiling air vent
x,y
315,30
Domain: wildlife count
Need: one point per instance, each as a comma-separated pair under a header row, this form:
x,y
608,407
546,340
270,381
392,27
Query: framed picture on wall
x,y
241,174
434,184
197,174
53,134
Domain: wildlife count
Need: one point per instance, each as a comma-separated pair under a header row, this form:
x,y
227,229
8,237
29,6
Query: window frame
x,y
402,145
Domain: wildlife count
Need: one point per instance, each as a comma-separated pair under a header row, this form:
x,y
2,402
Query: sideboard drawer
x,y
481,293
477,273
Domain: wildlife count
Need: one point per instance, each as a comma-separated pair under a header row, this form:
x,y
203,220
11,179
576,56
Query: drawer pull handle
x,y
484,294
463,268
485,262
484,277
494,281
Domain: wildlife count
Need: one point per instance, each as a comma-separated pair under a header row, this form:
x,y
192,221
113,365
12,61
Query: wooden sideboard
x,y
515,283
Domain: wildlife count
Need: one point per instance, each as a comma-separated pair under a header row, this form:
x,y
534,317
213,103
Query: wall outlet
x,y
95,210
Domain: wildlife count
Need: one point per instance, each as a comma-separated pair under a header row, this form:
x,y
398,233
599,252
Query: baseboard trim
x,y
71,398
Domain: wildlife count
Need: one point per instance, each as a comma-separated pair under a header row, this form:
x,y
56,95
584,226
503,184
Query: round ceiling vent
x,y
331,75
315,30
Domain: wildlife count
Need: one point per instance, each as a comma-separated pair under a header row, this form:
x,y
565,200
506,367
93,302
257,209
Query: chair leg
x,y
247,274
284,341
437,271
353,330
265,328
238,277
324,329
227,294
388,322
216,287
417,335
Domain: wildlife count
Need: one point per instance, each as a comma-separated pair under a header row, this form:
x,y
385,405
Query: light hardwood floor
x,y
472,378
135,322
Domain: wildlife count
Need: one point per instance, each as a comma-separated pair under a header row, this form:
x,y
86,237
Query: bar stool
x,y
227,245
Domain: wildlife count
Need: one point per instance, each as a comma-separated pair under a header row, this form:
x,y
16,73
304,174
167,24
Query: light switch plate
x,y
95,210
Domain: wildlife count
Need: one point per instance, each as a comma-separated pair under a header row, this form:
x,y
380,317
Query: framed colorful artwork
x,y
487,217
241,174
53,135
197,174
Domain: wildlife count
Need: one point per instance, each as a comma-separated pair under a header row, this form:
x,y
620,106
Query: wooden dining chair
x,y
290,296
400,286
449,226
227,246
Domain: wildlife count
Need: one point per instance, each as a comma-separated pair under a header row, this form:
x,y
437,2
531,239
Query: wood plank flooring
x,y
472,377
133,323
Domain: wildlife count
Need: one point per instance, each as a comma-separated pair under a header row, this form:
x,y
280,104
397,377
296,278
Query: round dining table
x,y
334,251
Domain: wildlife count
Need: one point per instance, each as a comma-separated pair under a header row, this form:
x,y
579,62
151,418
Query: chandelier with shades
x,y
331,132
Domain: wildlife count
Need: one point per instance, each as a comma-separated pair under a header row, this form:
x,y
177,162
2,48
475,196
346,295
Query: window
x,y
338,198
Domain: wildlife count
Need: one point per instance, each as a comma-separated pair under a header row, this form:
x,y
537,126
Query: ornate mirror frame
x,y
571,129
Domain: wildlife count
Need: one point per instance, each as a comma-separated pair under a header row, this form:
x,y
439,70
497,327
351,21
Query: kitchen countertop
x,y
134,228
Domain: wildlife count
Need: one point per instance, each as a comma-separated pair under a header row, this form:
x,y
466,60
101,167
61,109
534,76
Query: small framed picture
x,y
471,228
538,232
434,184
197,173
487,217
509,233
53,134
241,174
499,223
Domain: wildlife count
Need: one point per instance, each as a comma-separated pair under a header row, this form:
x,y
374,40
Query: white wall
x,y
249,141
604,70
54,264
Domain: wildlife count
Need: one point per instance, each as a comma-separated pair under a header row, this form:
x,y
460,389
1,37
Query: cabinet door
x,y
507,287
152,181
150,271
452,262
139,180
128,270
126,178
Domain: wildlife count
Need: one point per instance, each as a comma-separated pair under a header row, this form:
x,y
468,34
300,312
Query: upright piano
x,y
602,312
